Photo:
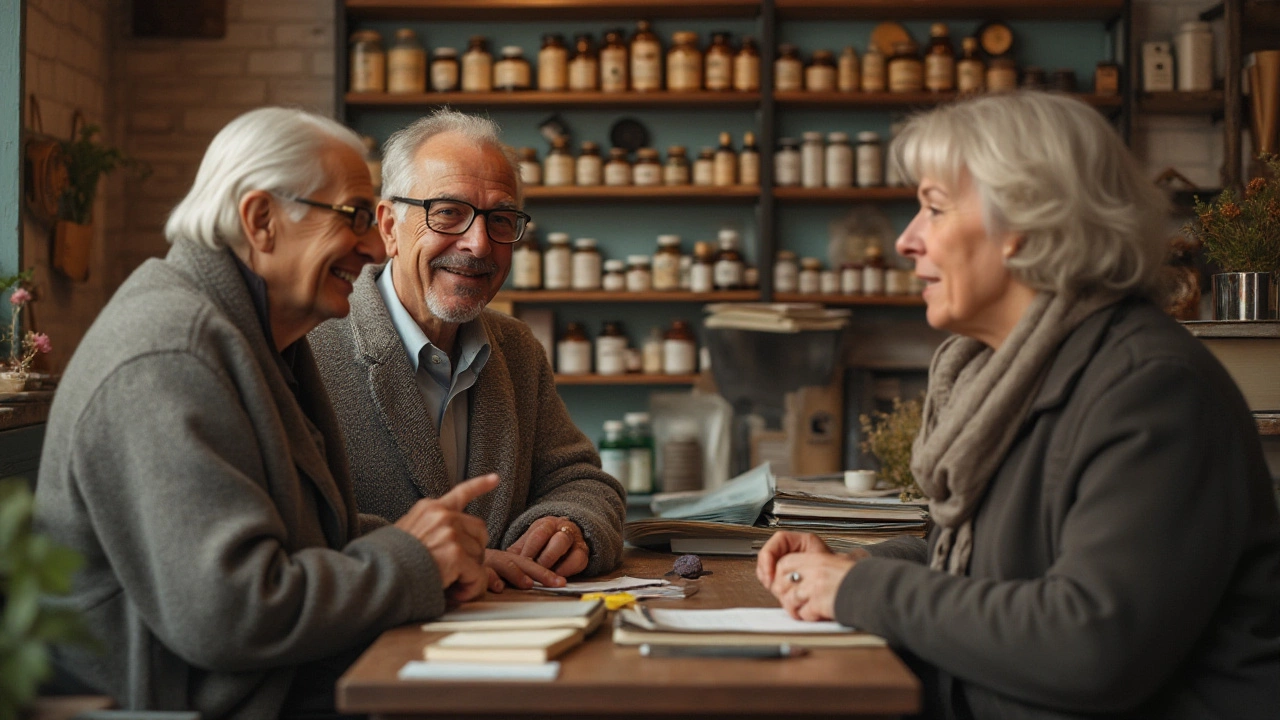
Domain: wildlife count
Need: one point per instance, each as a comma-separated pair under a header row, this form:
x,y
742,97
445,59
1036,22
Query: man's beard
x,y
473,300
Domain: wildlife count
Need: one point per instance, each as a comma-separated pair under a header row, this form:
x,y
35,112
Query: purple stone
x,y
688,566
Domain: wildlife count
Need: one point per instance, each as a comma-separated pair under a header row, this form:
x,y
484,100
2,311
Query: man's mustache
x,y
465,262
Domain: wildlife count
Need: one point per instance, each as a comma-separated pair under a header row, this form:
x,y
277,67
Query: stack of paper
x,y
518,615
731,626
512,646
814,506
776,317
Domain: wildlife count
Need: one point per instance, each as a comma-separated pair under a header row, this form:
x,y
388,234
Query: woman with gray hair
x,y
1105,537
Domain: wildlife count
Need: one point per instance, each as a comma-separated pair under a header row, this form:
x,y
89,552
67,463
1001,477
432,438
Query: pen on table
x,y
784,650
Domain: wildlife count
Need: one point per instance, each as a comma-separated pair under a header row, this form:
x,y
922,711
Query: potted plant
x,y
86,160
22,348
1241,234
889,437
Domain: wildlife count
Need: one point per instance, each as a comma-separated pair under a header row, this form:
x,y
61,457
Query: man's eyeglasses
x,y
454,217
361,217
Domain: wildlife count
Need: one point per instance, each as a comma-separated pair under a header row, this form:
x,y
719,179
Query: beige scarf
x,y
977,400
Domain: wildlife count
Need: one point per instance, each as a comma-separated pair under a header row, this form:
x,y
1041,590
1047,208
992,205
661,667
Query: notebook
x,y
512,646
521,615
731,626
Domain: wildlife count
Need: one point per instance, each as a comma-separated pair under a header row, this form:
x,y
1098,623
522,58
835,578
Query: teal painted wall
x,y
10,139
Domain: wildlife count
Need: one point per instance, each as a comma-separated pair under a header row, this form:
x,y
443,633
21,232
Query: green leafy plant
x,y
87,161
1242,234
889,437
31,566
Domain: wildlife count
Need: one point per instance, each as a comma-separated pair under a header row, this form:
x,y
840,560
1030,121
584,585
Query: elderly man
x,y
431,388
193,458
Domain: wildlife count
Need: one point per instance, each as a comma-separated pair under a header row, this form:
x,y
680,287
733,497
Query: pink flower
x,y
20,297
41,342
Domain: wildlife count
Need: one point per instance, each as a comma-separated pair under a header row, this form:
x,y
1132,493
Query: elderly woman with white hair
x,y
193,459
1106,541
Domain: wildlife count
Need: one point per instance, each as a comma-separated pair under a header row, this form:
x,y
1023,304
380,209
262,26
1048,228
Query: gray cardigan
x,y
518,427
1126,558
213,510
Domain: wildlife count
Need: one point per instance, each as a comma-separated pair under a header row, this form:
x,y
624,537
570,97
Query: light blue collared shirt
x,y
443,387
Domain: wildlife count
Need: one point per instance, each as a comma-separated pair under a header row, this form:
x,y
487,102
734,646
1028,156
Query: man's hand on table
x,y
556,543
803,574
455,539
508,568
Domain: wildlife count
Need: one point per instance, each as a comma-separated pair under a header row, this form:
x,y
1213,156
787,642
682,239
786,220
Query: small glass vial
x,y
786,163
684,63
788,70
704,168
445,73
639,276
477,66
557,263
558,167
615,276
666,263
587,270
406,64
820,76
873,271
850,278
971,72
940,61
526,263
512,72
809,271
676,171
651,363
611,350
719,63
573,352
530,168
613,62
812,172
584,67
729,264
870,160
874,73
646,172
725,171
906,70
646,59
786,273
589,169
553,63
367,62
746,67
848,71
679,350
617,172
1002,75
702,272
749,161
839,161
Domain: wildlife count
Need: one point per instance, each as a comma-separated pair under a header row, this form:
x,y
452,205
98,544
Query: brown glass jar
x,y
1002,75
558,166
971,72
573,352
617,172
788,70
530,168
584,66
613,62
749,161
406,64
646,59
820,76
589,168
679,349
666,263
553,63
512,72
367,62
446,74
704,168
940,61
477,66
702,273
718,63
1106,79
848,71
906,71
684,63
873,71
746,67
676,171
647,172
725,171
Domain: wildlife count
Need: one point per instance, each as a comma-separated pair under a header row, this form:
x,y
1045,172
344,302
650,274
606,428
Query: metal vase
x,y
1244,296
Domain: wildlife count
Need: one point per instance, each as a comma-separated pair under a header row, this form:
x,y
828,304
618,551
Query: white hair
x,y
1049,168
398,171
279,150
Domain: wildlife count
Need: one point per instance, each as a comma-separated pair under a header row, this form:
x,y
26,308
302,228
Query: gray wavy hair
x,y
398,171
280,150
1049,168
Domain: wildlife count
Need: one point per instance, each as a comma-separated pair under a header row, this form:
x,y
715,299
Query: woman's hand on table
x,y
803,574
782,544
509,568
555,543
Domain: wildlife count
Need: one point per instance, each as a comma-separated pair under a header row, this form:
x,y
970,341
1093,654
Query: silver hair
x,y
279,150
1049,168
398,171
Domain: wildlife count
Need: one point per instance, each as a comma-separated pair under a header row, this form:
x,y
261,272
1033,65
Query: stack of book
x,y
512,632
776,317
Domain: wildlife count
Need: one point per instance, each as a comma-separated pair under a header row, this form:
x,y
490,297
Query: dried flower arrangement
x,y
889,437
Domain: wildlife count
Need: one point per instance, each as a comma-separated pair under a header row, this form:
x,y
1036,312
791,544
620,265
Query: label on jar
x,y
870,165
611,355
614,282
786,168
785,277
873,72
839,165
675,174
406,70
477,72
444,75
368,72
812,173
679,357
617,174
749,168
666,271
719,71
851,281
646,66
728,274
820,78
511,74
897,282
939,72
684,71
559,170
640,470
704,172
557,271
586,270
582,73
828,282
530,172
590,171
970,76
613,69
553,72
616,462
790,74
702,278
573,357
1002,79
639,279
873,280
906,76
526,269
725,169
647,173
746,73
848,78
809,282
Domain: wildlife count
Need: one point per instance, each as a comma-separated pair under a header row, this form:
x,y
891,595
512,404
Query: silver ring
x,y
795,577
566,529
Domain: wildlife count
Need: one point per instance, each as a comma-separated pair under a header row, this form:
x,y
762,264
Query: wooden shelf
x,y
950,9
631,193
550,100
839,195
605,296
882,300
806,99
503,10
1182,103
628,379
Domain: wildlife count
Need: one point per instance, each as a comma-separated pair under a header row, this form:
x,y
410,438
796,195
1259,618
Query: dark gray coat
x,y
1126,558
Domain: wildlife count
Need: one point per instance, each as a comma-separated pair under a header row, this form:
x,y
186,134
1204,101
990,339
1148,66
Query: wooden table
x,y
602,680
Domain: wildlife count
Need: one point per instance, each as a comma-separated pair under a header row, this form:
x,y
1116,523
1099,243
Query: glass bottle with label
x,y
589,169
906,70
1002,75
367,62
725,172
558,167
640,453
873,70
848,71
679,350
584,67
512,72
749,161
373,161
971,72
557,263
702,272
870,160
651,362
786,163
666,263
553,63
839,161
704,168
809,270
406,64
812,161
615,276
850,278
639,274
719,63
676,171
786,273
820,76
873,271
445,73
729,262
646,59
617,172
940,62
615,454
613,62
526,262
788,70
587,268
684,63
530,168
477,66
611,350
573,352
647,172
746,67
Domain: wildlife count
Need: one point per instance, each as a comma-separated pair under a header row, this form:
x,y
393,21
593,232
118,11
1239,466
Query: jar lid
x,y
528,153
838,137
668,240
811,263
512,51
727,235
685,36
786,255
647,153
365,36
590,146
636,418
938,30
1195,26
614,426
676,150
812,136
406,34
446,52
553,38
868,136
637,259
823,55
614,266
478,40
585,243
557,238
786,49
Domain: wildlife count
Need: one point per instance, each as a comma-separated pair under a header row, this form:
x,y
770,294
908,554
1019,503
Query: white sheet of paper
x,y
614,585
743,620
420,670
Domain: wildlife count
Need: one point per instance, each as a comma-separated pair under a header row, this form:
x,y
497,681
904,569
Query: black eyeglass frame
x,y
353,213
475,212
